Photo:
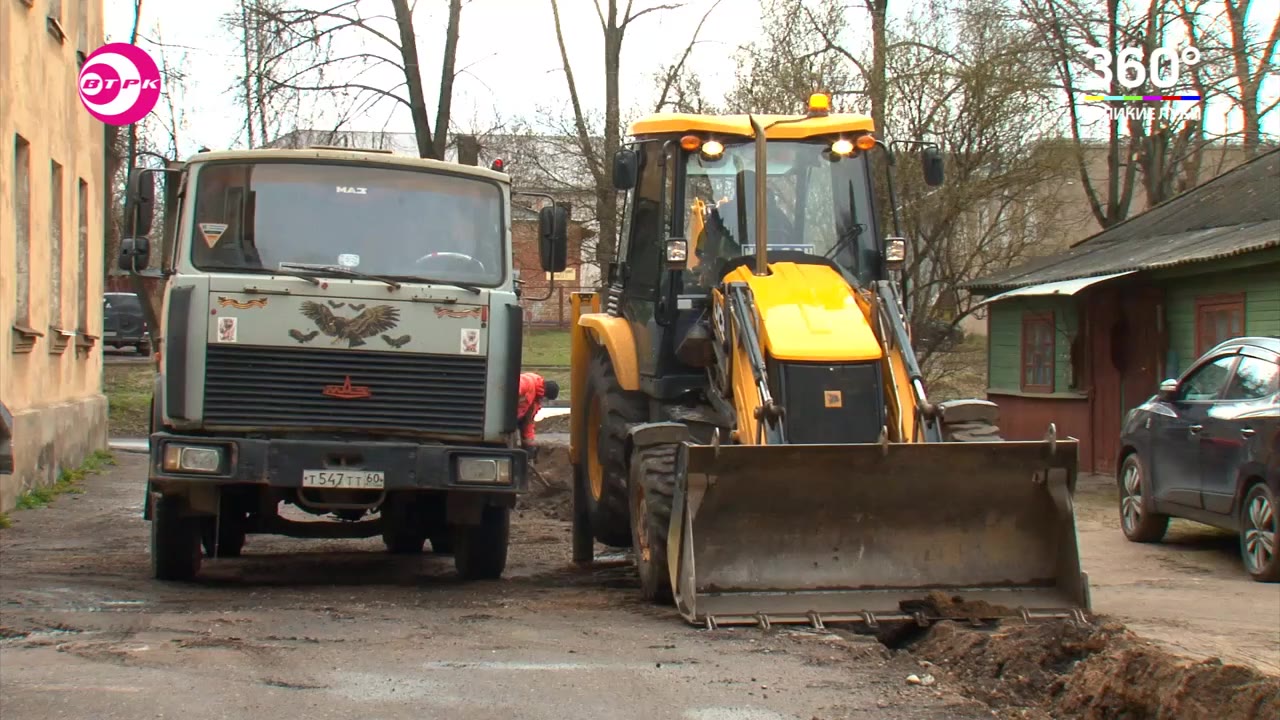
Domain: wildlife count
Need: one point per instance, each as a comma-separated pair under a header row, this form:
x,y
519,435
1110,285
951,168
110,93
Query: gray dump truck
x,y
340,333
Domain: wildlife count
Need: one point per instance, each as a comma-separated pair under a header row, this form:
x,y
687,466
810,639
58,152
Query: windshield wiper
x,y
309,278
432,281
337,270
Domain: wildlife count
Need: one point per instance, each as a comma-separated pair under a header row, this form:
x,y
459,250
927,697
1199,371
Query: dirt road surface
x,y
1190,593
343,630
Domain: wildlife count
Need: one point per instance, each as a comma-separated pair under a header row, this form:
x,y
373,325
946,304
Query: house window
x,y
22,232
55,246
1218,318
82,261
1037,352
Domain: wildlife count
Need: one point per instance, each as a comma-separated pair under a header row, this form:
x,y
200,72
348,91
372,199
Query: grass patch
x,y
128,391
546,348
68,482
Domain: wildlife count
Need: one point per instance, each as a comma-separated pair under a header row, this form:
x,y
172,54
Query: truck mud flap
x,y
868,533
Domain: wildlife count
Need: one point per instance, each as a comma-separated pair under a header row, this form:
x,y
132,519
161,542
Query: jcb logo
x,y
353,190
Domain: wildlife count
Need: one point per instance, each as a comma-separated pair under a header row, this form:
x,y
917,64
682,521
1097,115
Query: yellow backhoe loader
x,y
748,415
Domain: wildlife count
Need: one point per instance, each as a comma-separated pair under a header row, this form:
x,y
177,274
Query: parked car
x,y
1206,447
123,322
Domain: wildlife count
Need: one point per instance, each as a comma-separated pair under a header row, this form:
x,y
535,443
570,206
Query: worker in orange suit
x,y
533,390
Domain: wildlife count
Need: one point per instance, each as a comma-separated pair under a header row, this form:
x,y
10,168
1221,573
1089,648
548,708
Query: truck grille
x,y
282,387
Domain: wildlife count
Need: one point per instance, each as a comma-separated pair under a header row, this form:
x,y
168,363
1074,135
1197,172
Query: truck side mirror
x,y
135,254
626,167
553,238
140,202
931,159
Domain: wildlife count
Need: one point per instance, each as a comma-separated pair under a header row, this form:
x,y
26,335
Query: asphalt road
x,y
340,629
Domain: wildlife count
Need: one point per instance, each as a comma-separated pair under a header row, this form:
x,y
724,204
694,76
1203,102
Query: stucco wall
x,y
54,393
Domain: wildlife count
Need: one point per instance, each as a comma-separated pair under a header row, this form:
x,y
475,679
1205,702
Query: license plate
x,y
345,479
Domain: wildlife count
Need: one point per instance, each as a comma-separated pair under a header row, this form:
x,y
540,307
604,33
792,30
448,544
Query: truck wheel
x,y
175,541
229,538
441,543
402,532
610,412
653,482
480,551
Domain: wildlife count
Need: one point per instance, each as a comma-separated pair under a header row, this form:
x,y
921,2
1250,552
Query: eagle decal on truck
x,y
370,322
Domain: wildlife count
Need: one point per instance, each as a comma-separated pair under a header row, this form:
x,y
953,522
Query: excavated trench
x,y
1035,671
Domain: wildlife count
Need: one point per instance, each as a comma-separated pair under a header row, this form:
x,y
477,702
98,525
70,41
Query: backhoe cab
x,y
746,400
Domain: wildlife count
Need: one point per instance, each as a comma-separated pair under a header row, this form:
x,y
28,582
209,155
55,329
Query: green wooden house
x,y
1079,338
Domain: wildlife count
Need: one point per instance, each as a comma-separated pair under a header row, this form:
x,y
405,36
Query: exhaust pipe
x,y
762,176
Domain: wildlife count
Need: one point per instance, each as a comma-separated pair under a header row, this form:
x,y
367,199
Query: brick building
x,y
543,308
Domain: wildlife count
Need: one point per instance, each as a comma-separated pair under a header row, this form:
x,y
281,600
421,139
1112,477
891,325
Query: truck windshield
x,y
405,224
818,203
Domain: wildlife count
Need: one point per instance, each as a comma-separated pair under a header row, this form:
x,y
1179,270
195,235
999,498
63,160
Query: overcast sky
x,y
508,48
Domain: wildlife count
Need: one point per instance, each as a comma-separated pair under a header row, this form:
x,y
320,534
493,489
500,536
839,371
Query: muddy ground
x,y
340,629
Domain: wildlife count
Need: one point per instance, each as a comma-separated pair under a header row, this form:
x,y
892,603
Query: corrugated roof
x,y
1235,213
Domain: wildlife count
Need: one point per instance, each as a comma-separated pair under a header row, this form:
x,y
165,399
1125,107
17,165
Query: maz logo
x,y
353,190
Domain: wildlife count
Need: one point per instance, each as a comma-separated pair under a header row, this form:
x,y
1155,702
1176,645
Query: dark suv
x,y
1206,448
123,322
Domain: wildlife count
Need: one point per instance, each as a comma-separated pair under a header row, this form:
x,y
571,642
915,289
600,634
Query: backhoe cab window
x,y
817,204
379,221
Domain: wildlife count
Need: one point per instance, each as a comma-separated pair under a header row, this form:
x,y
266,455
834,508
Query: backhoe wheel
x,y
175,540
969,420
976,431
653,483
610,413
480,551
1138,518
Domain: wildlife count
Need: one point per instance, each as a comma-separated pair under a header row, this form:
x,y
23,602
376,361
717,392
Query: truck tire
x,y
230,535
480,551
175,540
653,482
441,543
610,413
403,533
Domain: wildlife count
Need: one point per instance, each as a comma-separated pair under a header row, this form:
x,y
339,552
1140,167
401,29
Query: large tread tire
x,y
1259,514
975,431
1139,521
402,531
441,543
175,541
618,410
653,482
480,551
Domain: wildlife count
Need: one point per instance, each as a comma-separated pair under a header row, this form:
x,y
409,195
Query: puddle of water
x,y
525,666
733,713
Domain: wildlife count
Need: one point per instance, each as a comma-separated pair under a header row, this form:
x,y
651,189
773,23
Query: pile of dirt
x,y
551,485
1067,670
552,424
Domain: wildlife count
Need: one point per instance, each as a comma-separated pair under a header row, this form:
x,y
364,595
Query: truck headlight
x,y
192,458
484,470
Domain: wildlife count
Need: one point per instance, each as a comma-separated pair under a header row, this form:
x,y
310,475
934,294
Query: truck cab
x,y
340,333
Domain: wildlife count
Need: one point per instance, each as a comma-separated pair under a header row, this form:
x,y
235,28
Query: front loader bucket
x,y
868,533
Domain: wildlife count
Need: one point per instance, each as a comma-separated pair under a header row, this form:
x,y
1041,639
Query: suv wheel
x,y
1138,520
1259,532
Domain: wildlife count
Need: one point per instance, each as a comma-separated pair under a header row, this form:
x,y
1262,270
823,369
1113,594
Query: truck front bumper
x,y
283,463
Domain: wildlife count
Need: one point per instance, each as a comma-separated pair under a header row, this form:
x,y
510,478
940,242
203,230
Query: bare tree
x,y
598,156
778,72
1251,52
679,89
393,40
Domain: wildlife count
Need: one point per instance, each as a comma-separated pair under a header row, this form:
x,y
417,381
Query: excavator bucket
x,y
816,534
